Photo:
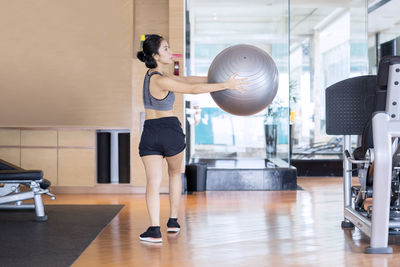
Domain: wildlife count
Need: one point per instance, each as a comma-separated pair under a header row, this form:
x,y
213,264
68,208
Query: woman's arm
x,y
196,79
179,86
189,79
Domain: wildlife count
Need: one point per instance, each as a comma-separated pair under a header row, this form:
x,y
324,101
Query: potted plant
x,y
272,116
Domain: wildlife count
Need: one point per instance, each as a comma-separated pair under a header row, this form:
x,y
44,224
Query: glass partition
x,y
328,43
384,32
211,27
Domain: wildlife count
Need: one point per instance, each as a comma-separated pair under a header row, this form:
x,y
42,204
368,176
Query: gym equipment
x,y
369,106
12,177
261,73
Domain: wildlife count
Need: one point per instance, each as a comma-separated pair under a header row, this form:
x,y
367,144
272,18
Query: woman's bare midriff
x,y
156,114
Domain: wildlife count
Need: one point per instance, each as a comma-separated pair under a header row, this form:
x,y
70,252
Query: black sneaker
x,y
173,225
152,234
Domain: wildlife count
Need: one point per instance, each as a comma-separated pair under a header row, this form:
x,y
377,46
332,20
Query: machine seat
x,y
10,172
20,175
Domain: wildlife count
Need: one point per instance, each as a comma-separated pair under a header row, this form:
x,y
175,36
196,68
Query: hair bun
x,y
141,56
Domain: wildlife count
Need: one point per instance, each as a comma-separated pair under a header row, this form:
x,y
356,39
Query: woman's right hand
x,y
237,84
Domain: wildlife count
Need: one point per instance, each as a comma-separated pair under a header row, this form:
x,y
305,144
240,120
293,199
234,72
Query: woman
x,y
162,134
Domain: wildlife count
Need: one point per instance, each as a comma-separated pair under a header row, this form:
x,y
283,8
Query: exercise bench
x,y
11,195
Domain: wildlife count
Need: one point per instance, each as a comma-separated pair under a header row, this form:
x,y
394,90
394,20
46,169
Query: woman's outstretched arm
x,y
174,85
189,79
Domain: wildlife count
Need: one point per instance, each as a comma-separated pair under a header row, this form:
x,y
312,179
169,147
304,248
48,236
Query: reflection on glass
x,y
328,43
383,32
214,26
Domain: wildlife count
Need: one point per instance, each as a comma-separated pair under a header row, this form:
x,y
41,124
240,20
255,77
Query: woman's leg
x,y
153,168
175,170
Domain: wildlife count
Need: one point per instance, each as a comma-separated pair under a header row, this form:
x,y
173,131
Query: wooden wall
x,y
160,17
69,68
66,62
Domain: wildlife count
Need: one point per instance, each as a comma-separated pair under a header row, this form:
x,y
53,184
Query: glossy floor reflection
x,y
246,228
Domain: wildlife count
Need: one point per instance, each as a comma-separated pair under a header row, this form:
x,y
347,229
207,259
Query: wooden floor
x,y
246,228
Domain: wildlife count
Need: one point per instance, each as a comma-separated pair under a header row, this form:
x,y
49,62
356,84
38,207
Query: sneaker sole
x,y
173,230
151,239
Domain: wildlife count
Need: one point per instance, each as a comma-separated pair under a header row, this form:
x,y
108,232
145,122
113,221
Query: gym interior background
x,y
68,74
80,76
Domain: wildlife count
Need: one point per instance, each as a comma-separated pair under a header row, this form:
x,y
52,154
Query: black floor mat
x,y
57,242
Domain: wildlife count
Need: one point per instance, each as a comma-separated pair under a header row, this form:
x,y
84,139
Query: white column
x,y
114,157
382,180
347,174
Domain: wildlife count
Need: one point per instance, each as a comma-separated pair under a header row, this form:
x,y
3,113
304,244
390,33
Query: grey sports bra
x,y
150,102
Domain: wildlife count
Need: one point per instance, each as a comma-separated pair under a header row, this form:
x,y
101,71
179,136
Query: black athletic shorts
x,y
163,136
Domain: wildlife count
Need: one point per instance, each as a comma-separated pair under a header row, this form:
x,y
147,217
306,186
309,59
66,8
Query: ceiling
x,y
384,18
215,20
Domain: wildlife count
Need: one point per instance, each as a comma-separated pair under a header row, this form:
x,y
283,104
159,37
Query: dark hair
x,y
151,45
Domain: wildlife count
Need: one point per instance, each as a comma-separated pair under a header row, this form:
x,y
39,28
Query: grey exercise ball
x,y
261,73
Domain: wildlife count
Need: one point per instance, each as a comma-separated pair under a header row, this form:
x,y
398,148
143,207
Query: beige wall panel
x,y
168,17
44,159
10,137
147,20
11,155
176,26
138,175
151,17
66,62
76,167
177,41
83,138
39,138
